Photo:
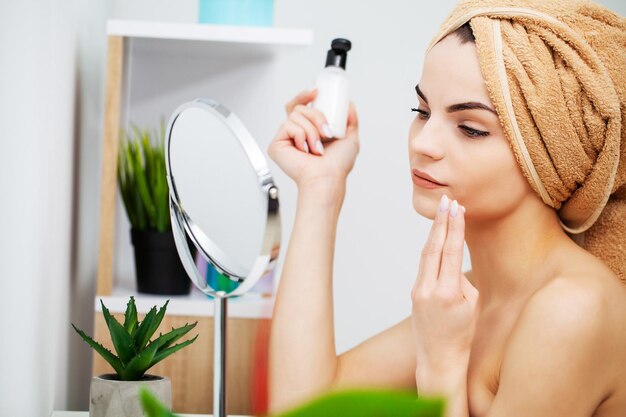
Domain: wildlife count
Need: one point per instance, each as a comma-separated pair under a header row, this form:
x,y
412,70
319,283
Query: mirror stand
x,y
219,354
217,172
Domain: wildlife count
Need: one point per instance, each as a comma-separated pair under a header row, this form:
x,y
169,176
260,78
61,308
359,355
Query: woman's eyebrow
x,y
419,93
471,105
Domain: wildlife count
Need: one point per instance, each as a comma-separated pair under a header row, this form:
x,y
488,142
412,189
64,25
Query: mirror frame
x,y
183,226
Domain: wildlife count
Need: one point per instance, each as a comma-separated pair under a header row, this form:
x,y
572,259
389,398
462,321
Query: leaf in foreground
x,y
352,403
369,403
152,406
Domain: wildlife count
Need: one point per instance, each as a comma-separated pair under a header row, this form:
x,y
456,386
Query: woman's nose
x,y
427,140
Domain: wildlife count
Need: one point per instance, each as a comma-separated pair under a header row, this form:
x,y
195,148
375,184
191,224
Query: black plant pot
x,y
157,265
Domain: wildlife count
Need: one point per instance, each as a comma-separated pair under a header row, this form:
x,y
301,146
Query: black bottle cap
x,y
338,54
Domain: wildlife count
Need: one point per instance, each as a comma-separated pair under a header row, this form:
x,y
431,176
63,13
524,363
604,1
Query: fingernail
x,y
463,207
454,209
326,130
306,147
444,203
320,147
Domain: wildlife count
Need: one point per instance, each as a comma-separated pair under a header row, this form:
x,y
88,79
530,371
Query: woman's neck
x,y
514,255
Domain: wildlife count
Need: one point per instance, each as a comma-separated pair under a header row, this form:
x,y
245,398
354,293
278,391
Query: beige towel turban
x,y
556,73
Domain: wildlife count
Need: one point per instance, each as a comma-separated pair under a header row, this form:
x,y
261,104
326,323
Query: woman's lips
x,y
423,182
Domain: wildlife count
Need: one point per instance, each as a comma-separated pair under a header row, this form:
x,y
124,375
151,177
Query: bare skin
x,y
536,328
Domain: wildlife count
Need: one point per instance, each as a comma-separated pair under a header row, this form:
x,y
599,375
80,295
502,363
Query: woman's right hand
x,y
298,150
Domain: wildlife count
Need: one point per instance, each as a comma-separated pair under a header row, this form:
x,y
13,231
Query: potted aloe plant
x,y
118,394
142,181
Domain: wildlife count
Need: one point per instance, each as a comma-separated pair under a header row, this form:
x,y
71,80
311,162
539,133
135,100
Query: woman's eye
x,y
421,113
471,132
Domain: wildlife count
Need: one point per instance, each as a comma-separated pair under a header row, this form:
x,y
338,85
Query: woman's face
x,y
456,138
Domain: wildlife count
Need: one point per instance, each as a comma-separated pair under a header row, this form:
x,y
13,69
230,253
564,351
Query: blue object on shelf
x,y
237,12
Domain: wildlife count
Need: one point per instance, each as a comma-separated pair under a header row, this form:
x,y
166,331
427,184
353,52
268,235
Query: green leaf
x,y
123,186
130,316
369,403
121,339
141,336
160,316
139,364
132,199
167,352
129,155
149,325
173,336
142,186
140,211
142,178
123,180
161,197
152,406
104,352
146,147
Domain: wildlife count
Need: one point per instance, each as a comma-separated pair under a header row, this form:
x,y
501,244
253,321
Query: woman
x,y
521,124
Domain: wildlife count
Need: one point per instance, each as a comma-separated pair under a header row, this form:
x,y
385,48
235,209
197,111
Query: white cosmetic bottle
x,y
333,88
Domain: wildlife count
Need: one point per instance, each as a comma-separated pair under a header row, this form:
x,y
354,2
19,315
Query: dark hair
x,y
465,34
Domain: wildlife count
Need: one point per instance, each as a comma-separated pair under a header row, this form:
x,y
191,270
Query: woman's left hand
x,y
444,304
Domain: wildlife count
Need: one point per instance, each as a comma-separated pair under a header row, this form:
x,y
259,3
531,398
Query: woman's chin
x,y
425,207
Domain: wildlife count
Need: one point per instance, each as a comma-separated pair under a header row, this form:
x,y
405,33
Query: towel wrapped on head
x,y
556,73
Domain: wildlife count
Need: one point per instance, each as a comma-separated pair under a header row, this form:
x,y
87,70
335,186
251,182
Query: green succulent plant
x,y
135,352
142,178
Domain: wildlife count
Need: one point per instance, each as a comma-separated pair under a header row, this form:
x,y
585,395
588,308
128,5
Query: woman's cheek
x,y
469,183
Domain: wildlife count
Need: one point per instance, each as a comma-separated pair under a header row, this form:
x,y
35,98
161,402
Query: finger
x,y
353,125
317,118
297,134
312,134
353,118
431,253
452,254
469,291
304,97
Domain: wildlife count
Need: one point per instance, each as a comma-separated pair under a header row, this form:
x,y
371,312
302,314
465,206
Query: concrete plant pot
x,y
110,397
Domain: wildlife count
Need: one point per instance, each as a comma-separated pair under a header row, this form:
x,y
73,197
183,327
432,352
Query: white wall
x,y
52,56
90,29
37,108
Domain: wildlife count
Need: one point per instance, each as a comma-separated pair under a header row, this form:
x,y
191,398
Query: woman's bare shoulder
x,y
581,284
583,308
569,337
576,276
585,273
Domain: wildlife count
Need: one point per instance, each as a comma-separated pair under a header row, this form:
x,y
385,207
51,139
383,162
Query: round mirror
x,y
222,198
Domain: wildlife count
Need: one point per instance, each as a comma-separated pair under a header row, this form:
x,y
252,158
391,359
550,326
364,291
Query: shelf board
x,y
210,33
196,304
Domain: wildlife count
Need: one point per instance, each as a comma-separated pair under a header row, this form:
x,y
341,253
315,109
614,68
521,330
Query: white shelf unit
x,y
151,69
196,304
139,45
209,33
